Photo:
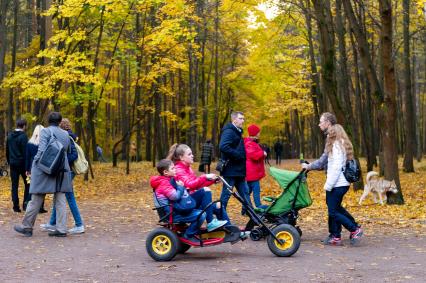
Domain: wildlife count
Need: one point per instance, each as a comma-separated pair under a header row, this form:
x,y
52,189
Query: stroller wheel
x,y
290,237
256,235
162,244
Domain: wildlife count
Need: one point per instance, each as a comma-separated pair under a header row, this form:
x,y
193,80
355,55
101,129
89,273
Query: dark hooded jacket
x,y
232,149
15,148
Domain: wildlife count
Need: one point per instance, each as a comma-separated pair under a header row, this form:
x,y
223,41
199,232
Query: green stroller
x,y
283,209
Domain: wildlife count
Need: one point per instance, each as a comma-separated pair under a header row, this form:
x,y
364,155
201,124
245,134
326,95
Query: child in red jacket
x,y
255,168
166,190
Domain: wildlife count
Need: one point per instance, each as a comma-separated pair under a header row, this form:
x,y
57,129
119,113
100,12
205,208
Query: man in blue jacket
x,y
233,152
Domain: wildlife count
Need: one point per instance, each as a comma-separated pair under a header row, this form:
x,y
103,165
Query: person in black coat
x,y
278,148
206,157
233,152
15,154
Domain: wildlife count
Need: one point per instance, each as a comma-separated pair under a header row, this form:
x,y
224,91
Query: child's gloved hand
x,y
211,176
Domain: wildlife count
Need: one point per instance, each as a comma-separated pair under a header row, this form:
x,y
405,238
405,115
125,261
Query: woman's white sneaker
x,y
48,227
76,230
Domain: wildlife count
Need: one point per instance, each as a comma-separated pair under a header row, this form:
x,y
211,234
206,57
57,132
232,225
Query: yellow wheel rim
x,y
161,244
286,237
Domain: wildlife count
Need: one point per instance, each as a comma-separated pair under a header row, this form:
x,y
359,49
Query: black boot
x,y
56,233
42,210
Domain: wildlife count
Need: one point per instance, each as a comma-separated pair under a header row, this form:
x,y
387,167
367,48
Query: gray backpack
x,y
52,160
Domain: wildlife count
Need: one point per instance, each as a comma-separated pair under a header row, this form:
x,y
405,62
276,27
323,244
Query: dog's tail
x,y
371,174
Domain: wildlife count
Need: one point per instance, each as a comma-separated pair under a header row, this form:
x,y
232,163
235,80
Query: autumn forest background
x,y
157,72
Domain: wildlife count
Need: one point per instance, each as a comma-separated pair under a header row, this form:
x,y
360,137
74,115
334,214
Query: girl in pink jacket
x,y
182,156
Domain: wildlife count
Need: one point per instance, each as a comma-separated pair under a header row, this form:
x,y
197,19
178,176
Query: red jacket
x,y
185,174
254,160
163,188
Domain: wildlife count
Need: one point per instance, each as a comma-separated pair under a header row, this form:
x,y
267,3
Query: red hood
x,y
157,181
249,140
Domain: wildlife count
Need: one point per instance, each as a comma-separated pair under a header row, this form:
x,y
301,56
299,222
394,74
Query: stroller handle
x,y
225,183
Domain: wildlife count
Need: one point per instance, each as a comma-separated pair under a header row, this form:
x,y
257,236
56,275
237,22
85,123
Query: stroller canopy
x,y
298,189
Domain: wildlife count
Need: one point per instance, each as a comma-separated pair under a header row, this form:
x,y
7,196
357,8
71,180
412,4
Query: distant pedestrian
x,y
16,144
266,149
100,154
278,148
206,156
132,151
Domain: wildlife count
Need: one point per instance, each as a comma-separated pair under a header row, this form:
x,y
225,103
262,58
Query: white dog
x,y
378,187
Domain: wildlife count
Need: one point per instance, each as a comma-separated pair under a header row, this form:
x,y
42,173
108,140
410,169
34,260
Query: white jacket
x,y
336,162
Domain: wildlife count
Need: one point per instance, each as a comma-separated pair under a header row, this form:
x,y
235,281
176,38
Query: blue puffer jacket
x,y
232,148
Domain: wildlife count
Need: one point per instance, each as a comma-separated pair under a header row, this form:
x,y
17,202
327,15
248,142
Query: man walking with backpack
x,y
16,144
72,203
49,175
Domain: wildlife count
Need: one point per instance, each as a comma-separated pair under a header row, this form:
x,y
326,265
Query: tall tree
x,y
388,108
409,113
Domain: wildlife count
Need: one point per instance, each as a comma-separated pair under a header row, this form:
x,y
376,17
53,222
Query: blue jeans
x,y
242,189
191,218
337,215
73,207
203,198
254,187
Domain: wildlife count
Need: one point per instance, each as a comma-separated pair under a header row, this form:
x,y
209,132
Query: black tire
x,y
162,244
183,248
292,240
256,235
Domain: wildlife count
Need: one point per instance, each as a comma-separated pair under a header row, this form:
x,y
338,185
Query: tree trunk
x,y
409,113
11,110
315,90
124,108
215,130
388,108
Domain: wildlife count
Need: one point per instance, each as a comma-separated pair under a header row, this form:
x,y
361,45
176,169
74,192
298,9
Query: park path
x,y
113,250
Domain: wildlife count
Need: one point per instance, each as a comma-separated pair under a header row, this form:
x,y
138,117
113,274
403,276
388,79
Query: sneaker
x,y
76,230
47,227
191,240
215,224
244,235
328,238
17,209
355,236
333,241
27,232
42,210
